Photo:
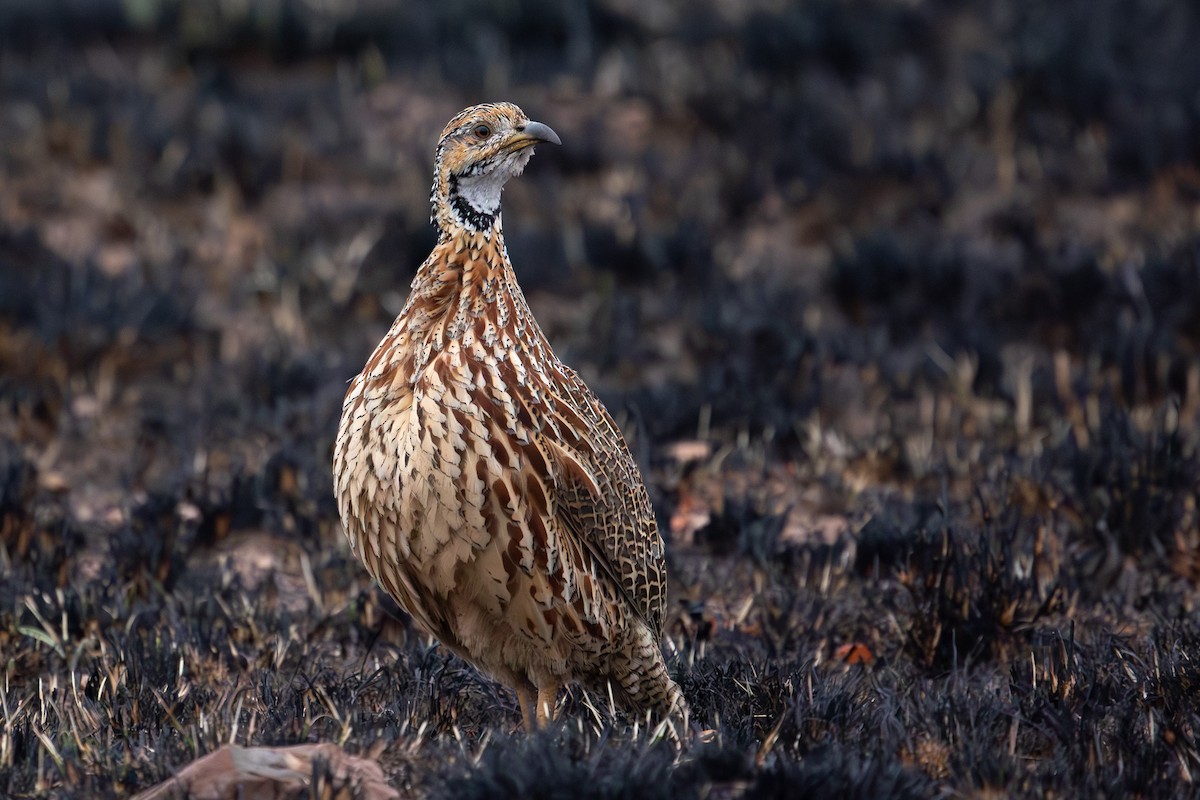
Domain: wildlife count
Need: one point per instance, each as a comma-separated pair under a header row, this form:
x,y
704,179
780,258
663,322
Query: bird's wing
x,y
601,498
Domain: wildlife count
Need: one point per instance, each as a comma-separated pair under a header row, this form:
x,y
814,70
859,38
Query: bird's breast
x,y
434,460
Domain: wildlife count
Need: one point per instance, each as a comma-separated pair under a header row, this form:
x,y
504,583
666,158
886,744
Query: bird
x,y
481,482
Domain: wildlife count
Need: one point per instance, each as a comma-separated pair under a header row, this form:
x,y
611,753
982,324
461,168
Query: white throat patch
x,y
482,192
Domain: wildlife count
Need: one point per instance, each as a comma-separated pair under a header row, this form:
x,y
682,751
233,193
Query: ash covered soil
x,y
897,303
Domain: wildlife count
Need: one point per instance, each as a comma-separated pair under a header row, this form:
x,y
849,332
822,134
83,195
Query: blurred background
x,y
834,265
747,190
875,239
767,219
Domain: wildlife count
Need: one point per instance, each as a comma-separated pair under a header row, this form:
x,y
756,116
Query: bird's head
x,y
479,151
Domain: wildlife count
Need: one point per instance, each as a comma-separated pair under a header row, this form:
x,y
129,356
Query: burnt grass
x,y
899,305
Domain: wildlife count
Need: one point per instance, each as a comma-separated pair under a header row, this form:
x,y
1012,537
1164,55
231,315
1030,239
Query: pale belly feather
x,y
460,537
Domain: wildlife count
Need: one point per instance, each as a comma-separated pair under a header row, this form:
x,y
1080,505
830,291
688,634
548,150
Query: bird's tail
x,y
641,684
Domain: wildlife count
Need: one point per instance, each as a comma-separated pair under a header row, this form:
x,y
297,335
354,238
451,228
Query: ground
x,y
897,303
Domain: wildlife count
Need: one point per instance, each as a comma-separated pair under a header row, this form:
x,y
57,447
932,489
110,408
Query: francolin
x,y
482,483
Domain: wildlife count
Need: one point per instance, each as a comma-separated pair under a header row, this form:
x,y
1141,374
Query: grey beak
x,y
541,133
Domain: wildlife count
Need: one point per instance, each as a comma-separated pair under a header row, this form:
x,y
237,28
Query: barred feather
x,y
482,483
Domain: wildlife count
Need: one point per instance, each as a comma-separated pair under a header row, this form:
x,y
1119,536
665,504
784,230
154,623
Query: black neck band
x,y
470,216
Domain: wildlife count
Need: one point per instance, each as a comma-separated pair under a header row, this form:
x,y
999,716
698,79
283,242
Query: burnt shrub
x,y
1137,492
972,591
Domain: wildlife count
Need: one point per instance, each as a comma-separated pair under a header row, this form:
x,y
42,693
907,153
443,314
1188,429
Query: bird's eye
x,y
482,131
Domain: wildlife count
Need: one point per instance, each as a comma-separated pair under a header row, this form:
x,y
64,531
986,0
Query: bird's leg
x,y
546,697
529,716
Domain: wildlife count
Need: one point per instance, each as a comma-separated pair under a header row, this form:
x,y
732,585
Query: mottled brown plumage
x,y
482,483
